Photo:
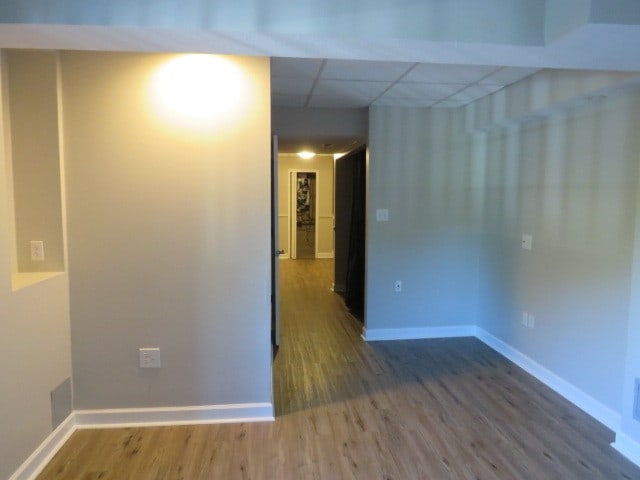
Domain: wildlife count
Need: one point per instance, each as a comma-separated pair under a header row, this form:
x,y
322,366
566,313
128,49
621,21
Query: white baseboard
x,y
139,417
628,447
33,465
379,334
324,255
136,417
585,402
284,256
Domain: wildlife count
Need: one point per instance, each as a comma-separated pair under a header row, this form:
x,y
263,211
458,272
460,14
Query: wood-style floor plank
x,y
421,409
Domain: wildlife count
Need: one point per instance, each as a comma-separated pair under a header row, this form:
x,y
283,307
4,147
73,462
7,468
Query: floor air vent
x,y
61,403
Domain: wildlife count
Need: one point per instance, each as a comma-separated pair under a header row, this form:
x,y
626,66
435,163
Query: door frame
x,y
275,248
292,225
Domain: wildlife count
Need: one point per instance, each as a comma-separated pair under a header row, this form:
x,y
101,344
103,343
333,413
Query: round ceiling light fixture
x,y
307,155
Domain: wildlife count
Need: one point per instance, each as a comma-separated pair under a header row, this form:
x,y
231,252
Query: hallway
x,y
345,409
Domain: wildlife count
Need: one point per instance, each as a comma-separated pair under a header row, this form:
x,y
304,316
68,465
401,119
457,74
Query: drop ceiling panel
x,y
508,75
422,90
369,90
474,92
339,101
404,102
364,70
291,86
295,67
449,104
299,82
438,73
284,100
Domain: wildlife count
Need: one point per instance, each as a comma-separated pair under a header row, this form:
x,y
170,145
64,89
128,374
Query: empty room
x,y
169,312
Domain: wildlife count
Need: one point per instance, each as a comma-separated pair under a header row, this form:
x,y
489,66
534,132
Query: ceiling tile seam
x,y
395,82
467,86
477,82
315,82
411,82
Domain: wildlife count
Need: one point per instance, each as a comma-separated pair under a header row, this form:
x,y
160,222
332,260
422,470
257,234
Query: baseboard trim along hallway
x,y
139,417
261,412
608,417
382,334
33,465
627,447
580,399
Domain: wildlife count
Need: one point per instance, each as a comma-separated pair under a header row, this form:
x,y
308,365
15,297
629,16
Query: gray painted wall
x,y
420,169
168,239
462,192
570,181
630,420
35,351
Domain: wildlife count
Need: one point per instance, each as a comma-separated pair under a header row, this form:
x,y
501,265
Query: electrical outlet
x,y
149,357
37,250
397,286
528,320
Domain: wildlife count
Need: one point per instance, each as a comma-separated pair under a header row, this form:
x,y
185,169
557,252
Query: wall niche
x,y
32,146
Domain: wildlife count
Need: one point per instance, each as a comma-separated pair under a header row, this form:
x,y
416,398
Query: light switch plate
x,y
527,241
149,357
382,215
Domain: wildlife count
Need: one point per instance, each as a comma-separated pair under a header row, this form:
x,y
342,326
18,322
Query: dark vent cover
x,y
61,403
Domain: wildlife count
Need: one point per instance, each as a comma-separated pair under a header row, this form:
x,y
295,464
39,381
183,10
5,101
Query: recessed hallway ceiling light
x,y
306,155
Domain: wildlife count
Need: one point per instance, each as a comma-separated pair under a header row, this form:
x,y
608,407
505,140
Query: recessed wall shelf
x,y
30,119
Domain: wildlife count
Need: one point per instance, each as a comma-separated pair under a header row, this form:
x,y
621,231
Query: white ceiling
x,y
434,54
329,83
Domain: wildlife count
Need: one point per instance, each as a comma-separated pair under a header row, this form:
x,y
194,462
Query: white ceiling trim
x,y
597,47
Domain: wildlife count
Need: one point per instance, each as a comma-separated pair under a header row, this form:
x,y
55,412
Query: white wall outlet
x,y
397,286
37,250
527,241
382,215
149,357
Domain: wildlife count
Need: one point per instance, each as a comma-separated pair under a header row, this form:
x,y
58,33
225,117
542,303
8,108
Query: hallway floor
x,y
404,410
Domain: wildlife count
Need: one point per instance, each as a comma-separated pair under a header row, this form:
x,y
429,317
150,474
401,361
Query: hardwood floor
x,y
423,409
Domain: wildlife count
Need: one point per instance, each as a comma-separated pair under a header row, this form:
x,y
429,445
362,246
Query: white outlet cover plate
x,y
37,250
527,241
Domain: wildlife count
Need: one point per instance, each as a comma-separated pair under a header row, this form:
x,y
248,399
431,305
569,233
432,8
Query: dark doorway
x,y
350,206
305,203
